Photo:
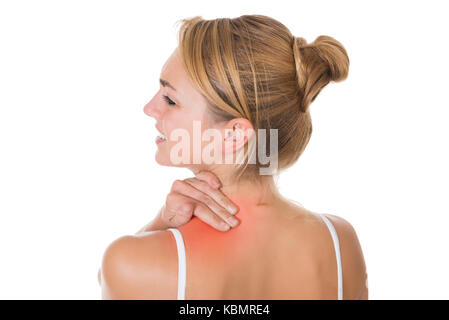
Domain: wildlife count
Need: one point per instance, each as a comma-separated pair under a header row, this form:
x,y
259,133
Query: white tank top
x,y
182,259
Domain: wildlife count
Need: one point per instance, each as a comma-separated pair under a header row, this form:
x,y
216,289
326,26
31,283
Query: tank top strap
x,y
181,263
337,253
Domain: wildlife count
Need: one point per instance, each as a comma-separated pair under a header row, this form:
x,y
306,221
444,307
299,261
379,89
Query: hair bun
x,y
318,63
335,55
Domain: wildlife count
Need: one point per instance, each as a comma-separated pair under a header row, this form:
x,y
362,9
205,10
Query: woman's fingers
x,y
179,209
178,204
205,214
188,189
215,183
216,201
210,178
215,194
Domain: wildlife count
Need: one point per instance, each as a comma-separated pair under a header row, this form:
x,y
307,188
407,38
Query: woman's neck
x,y
261,190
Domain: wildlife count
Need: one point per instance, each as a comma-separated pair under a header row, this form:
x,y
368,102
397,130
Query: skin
x,y
278,250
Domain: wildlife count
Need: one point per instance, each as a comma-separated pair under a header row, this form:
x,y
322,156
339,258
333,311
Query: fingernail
x,y
225,226
232,220
232,209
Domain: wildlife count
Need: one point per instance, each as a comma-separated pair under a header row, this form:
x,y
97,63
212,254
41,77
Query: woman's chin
x,y
164,160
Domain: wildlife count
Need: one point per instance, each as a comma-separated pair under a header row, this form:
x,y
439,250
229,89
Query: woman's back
x,y
277,252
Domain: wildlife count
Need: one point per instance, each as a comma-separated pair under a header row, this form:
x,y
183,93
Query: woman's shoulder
x,y
355,276
311,224
314,237
135,266
351,255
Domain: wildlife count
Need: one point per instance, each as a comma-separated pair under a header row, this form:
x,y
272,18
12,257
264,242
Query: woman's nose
x,y
152,109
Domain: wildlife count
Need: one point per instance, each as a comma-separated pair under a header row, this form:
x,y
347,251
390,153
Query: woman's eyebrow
x,y
166,83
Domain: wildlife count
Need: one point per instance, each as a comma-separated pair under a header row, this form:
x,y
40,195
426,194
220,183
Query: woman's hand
x,y
200,197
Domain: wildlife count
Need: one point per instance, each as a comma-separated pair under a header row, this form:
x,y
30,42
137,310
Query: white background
x,y
77,166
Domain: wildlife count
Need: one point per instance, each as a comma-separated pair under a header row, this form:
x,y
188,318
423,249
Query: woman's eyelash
x,y
170,102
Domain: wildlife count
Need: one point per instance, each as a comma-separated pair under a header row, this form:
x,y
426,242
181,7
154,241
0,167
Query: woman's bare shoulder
x,y
313,238
140,266
355,277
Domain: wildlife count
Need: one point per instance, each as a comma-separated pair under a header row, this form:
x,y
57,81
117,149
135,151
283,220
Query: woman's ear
x,y
237,132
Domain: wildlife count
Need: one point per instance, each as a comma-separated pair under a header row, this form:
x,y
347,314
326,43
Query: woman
x,y
228,233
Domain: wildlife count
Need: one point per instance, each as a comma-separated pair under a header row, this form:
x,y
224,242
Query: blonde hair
x,y
252,67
